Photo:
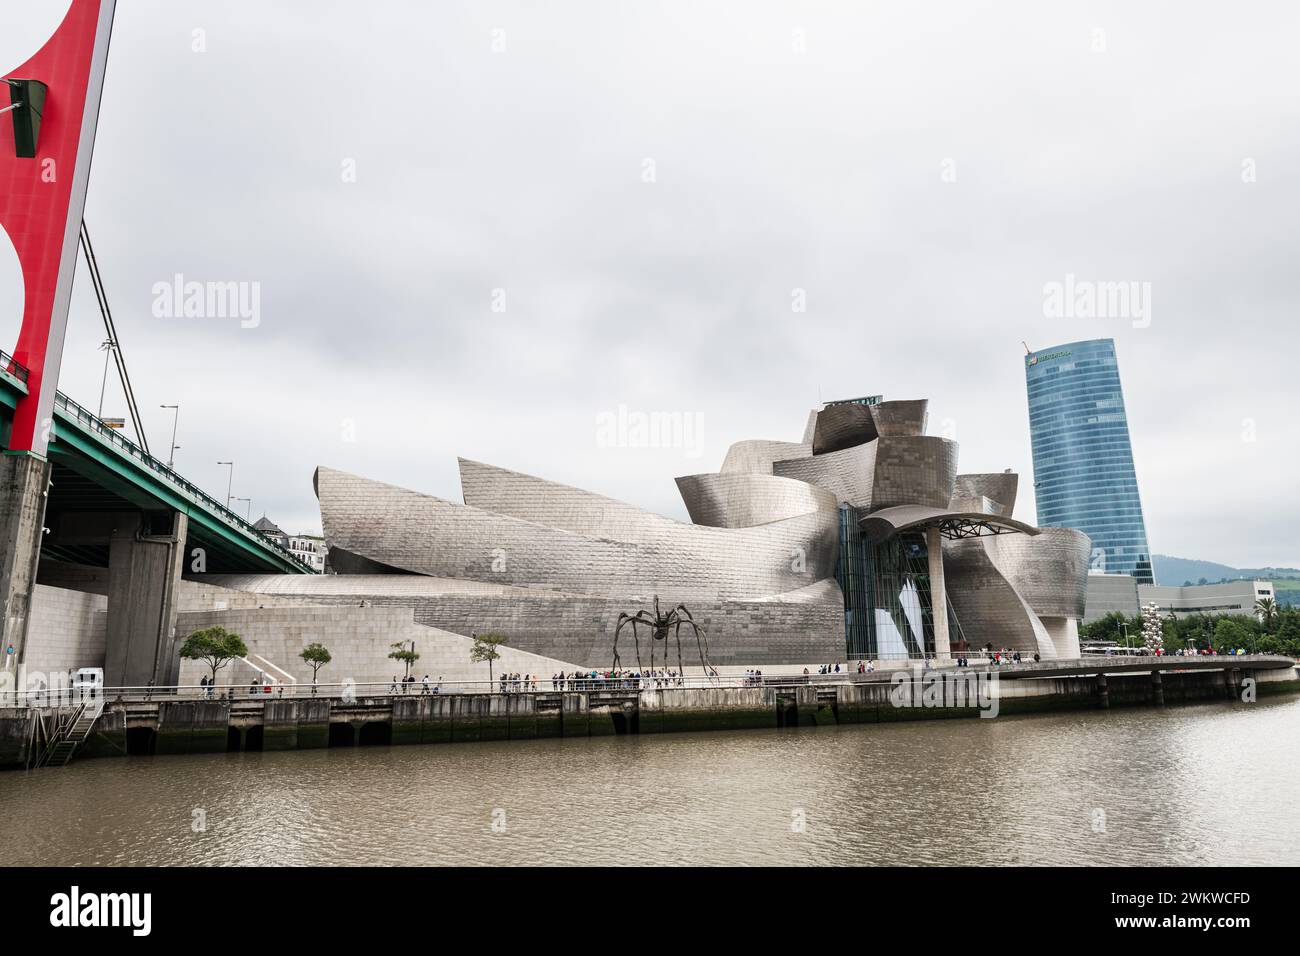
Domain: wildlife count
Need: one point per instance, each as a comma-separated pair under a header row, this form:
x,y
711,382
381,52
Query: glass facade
x,y
887,608
1083,459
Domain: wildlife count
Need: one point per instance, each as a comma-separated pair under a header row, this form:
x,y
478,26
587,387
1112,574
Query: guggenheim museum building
x,y
859,541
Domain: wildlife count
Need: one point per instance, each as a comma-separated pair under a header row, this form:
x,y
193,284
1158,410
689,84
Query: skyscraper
x,y
1083,459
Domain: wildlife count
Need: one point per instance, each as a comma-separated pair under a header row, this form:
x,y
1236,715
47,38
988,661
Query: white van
x,y
87,683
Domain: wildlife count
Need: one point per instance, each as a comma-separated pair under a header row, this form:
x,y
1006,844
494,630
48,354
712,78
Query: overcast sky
x,y
920,172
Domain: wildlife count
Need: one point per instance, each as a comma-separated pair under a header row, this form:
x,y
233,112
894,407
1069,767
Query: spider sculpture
x,y
660,624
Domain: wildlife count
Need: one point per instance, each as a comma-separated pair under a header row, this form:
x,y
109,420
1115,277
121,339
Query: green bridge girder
x,y
113,473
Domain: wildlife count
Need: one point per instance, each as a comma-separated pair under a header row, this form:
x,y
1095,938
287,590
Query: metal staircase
x,y
68,733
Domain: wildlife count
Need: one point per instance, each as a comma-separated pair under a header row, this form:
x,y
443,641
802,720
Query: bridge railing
x,y
13,366
259,692
89,420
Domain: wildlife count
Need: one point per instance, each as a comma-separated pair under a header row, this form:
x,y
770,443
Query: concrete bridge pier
x,y
145,559
1234,683
24,486
1157,689
1103,692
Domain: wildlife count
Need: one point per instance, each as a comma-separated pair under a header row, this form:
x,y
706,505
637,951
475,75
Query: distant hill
x,y
1172,572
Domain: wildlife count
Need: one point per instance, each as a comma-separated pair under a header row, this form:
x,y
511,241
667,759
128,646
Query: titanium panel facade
x,y
906,419
743,501
998,487
755,457
847,474
775,564
987,607
843,426
655,555
1048,569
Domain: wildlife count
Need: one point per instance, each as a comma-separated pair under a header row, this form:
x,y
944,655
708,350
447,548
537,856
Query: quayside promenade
x,y
139,721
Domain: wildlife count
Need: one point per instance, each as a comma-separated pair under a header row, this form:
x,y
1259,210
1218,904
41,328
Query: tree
x,y
316,656
1110,627
1153,631
407,656
1266,611
215,646
487,647
1231,631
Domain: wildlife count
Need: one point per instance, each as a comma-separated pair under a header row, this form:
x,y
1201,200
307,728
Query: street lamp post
x,y
1124,625
106,347
229,478
248,506
176,417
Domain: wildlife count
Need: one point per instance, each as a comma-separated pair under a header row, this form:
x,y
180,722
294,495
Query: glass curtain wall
x,y
888,612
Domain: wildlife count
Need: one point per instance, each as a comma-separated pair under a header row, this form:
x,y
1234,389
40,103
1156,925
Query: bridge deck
x,y
1090,666
96,468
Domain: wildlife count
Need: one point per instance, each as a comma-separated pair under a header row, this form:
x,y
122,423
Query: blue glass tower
x,y
1083,459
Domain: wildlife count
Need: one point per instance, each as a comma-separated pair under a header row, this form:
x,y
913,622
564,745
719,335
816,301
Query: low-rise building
x,y
1123,593
1230,597
310,549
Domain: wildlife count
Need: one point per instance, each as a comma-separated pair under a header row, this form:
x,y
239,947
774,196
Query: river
x,y
1193,785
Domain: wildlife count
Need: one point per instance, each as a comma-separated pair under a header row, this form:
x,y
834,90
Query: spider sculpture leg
x,y
637,640
622,619
701,639
677,633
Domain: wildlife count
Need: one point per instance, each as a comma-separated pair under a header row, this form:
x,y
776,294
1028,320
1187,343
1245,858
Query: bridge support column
x,y
1157,689
24,482
938,594
1103,692
144,571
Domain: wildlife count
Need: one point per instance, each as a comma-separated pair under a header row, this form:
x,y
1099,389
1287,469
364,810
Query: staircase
x,y
68,733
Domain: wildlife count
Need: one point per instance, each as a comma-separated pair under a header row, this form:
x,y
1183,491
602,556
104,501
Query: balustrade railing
x,y
94,423
13,366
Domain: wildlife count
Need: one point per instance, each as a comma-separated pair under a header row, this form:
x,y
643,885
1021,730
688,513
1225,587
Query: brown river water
x,y
1193,785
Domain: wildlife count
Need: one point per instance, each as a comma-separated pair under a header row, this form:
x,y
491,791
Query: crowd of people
x,y
259,685
407,685
616,679
649,679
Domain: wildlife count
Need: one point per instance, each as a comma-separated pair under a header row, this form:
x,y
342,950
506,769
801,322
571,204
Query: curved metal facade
x,y
999,488
649,554
755,457
553,566
906,419
987,606
797,552
915,470
1049,570
843,426
743,501
847,474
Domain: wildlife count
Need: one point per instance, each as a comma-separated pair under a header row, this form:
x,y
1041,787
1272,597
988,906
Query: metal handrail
x,y
96,424
63,725
13,366
95,695
260,691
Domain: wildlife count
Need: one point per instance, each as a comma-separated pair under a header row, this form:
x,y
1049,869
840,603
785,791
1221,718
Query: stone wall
x,y
67,630
359,638
579,629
